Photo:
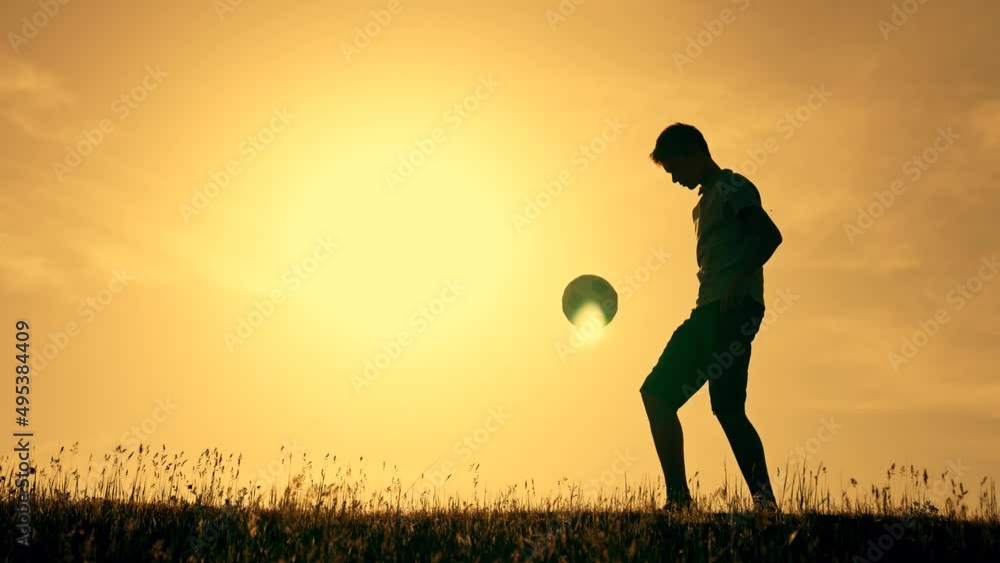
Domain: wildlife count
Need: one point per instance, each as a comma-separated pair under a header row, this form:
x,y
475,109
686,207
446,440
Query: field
x,y
155,506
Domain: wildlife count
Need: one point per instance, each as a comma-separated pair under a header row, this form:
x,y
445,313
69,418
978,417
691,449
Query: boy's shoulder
x,y
732,182
733,178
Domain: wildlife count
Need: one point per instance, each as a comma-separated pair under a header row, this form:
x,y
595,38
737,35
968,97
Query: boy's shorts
x,y
709,346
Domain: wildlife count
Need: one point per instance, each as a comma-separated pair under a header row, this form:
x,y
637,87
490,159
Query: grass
x,y
149,505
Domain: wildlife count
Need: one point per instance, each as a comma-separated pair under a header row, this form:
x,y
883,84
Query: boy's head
x,y
682,151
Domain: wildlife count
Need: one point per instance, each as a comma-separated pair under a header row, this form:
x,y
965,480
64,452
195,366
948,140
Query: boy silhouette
x,y
736,238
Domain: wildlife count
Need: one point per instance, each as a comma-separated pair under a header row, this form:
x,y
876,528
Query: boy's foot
x,y
765,505
765,511
677,505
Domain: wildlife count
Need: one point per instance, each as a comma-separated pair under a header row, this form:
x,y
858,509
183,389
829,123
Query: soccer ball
x,y
589,290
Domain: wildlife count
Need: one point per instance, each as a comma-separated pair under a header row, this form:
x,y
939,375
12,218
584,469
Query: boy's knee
x,y
656,402
648,397
731,417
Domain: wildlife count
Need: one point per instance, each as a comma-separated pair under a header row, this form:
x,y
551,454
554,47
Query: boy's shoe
x,y
761,515
677,505
765,506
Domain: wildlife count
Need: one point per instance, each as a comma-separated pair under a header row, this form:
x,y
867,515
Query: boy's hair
x,y
678,139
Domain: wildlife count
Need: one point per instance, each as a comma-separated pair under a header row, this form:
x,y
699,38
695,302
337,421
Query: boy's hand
x,y
735,294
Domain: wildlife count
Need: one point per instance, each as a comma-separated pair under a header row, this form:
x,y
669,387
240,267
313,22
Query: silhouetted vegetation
x,y
154,506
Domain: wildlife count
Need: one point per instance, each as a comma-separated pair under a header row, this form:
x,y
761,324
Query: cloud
x,y
29,96
43,87
27,124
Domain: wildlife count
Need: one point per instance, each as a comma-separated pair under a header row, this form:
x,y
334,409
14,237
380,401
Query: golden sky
x,y
339,241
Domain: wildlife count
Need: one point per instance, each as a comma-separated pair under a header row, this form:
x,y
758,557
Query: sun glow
x,y
589,324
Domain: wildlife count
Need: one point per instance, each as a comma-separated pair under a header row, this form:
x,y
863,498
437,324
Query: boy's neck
x,y
711,170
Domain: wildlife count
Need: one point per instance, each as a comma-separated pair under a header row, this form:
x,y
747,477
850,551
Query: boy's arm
x,y
766,237
761,229
744,198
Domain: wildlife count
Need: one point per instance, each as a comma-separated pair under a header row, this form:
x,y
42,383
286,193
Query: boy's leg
x,y
728,384
668,386
749,452
668,438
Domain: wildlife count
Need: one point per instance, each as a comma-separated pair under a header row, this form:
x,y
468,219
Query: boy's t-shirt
x,y
724,249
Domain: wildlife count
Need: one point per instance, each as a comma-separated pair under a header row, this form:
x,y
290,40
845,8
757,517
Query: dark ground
x,y
106,531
